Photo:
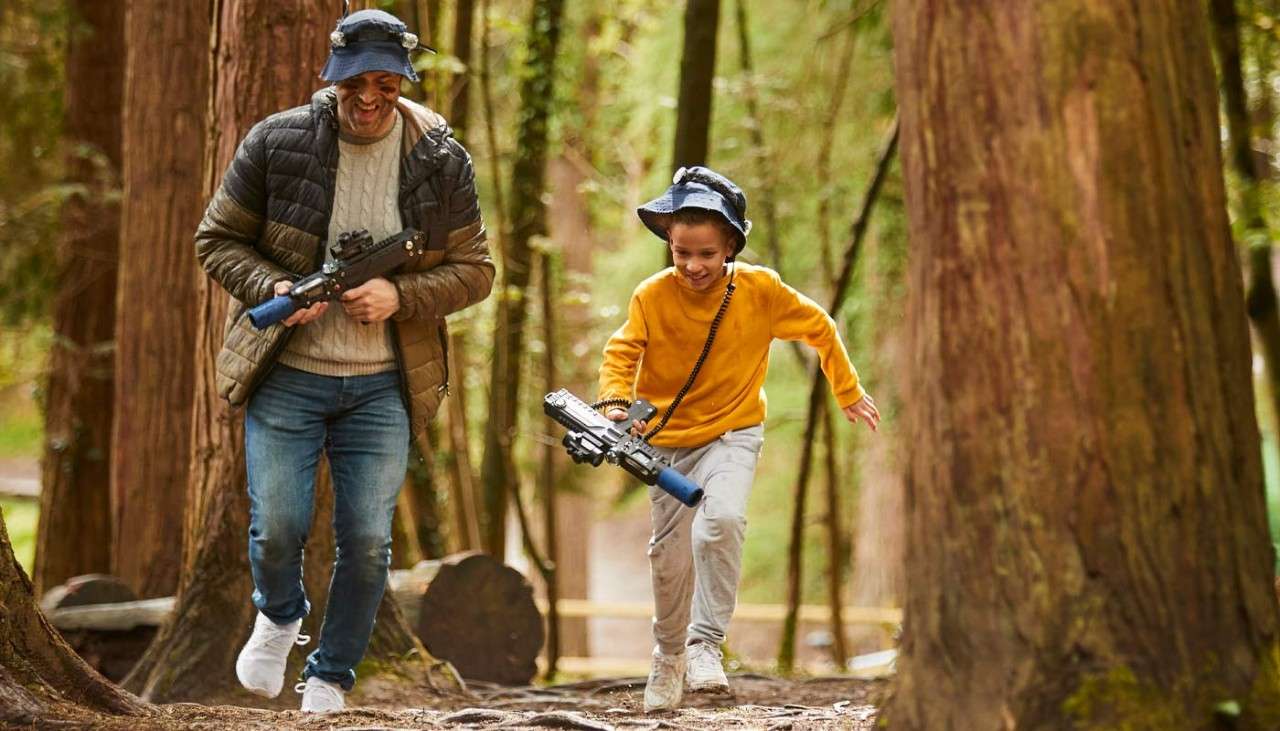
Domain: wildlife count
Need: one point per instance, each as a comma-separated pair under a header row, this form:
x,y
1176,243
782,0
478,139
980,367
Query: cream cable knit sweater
x,y
364,197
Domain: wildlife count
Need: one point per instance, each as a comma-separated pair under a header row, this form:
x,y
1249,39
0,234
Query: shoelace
x,y
274,640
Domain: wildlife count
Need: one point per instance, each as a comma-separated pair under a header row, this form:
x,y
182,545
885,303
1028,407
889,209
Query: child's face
x,y
699,251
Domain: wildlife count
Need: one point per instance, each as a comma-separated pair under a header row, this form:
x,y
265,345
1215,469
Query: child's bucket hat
x,y
699,187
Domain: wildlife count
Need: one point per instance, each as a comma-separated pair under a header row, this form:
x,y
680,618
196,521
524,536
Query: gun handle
x,y
680,487
272,311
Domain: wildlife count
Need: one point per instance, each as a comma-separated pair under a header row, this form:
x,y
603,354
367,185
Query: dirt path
x,y
758,702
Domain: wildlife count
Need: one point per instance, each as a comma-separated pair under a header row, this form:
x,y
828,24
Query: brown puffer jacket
x,y
270,217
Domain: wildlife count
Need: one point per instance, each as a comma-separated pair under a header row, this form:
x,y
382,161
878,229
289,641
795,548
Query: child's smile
x,y
699,252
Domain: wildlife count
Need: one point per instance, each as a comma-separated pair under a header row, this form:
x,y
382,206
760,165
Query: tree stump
x,y
479,614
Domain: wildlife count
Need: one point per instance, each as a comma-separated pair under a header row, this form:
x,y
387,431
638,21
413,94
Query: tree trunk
x,y
1260,297
697,68
548,468
193,655
42,680
1087,538
572,230
760,152
462,478
460,89
835,541
165,96
528,219
76,469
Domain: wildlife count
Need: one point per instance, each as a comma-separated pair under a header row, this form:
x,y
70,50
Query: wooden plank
x,y
744,612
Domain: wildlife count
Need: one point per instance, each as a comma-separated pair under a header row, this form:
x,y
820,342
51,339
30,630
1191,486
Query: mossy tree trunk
x,y
42,680
76,468
528,220
166,91
1087,536
193,656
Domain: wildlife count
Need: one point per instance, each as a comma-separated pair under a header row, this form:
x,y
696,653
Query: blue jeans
x,y
361,425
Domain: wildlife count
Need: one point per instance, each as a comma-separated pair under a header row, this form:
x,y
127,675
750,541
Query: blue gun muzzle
x,y
680,487
272,311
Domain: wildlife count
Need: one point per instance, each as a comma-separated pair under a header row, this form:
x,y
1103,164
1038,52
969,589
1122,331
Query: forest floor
x,y
756,702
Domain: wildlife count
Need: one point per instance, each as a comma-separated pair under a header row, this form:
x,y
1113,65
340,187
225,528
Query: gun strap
x,y
697,366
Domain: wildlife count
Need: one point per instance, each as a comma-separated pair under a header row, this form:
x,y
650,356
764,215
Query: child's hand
x,y
865,409
617,414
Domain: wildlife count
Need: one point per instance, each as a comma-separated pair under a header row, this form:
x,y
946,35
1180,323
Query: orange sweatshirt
x,y
651,355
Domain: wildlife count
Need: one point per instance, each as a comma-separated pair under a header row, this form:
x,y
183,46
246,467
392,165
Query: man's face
x,y
699,252
367,103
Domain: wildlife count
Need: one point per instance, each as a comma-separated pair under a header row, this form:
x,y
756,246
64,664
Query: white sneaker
x,y
666,682
706,669
321,696
260,666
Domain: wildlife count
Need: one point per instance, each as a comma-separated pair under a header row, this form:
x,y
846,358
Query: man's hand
x,y
865,410
617,414
373,301
301,317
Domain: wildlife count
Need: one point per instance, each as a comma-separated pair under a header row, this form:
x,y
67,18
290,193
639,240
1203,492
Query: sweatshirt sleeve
x,y
794,316
623,353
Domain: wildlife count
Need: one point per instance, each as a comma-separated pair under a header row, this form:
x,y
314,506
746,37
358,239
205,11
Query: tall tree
x,y
460,88
1087,530
165,98
697,68
75,480
41,677
1260,298
193,655
528,219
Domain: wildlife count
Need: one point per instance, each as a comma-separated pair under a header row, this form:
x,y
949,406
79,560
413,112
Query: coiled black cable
x,y
693,374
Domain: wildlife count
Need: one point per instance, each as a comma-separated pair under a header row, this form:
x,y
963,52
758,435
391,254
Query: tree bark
x,y
528,219
42,680
165,95
460,88
1087,540
193,655
1260,296
760,152
697,68
548,467
835,541
76,469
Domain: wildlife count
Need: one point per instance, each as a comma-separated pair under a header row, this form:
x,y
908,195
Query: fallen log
x,y
479,614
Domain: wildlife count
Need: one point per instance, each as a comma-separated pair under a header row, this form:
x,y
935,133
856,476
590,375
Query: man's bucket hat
x,y
370,40
699,187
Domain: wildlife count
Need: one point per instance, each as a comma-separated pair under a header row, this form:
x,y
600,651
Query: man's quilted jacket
x,y
269,221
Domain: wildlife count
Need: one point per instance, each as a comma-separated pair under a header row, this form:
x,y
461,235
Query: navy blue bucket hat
x,y
370,40
699,187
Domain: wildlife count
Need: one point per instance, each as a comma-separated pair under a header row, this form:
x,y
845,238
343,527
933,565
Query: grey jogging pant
x,y
695,554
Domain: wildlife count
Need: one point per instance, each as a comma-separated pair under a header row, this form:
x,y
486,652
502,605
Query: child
x,y
714,437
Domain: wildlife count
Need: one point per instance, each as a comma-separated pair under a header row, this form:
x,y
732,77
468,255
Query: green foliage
x,y
32,46
21,517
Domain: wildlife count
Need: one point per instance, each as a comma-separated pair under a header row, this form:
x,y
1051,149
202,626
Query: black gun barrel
x,y
357,260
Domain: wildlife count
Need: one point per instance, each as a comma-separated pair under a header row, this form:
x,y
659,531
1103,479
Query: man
x,y
353,378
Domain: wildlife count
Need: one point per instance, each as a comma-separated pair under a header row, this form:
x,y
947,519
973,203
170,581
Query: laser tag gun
x,y
593,439
356,260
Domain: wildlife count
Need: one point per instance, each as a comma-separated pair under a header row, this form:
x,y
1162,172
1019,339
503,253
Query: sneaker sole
x,y
260,692
718,688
